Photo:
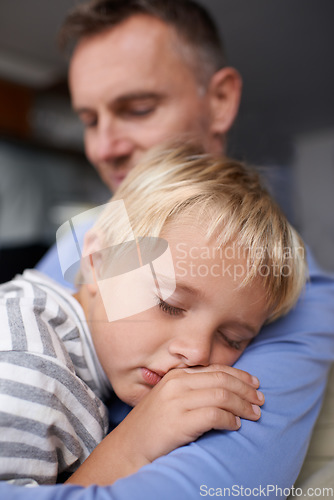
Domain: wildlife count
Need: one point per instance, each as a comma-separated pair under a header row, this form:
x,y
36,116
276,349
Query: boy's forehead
x,y
189,238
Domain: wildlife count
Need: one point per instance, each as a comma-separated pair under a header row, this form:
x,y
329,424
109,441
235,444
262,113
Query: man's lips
x,y
118,179
151,377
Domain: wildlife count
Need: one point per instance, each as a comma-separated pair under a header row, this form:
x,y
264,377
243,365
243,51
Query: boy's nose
x,y
193,348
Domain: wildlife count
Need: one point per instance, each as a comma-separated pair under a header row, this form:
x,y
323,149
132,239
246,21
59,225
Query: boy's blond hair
x,y
228,200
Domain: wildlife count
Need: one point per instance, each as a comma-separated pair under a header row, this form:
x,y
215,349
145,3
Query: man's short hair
x,y
191,22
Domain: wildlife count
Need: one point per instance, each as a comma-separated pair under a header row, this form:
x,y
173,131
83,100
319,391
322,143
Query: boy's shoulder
x,y
42,389
38,316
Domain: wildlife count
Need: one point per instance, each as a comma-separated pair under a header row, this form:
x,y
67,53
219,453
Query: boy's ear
x,y
224,97
89,266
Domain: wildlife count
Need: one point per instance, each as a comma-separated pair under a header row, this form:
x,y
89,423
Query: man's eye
x,y
234,344
168,309
141,111
88,123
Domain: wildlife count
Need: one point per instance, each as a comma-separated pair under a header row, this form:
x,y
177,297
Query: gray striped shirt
x,y
51,382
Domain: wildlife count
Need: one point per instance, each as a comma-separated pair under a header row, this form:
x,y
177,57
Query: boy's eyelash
x,y
168,309
176,311
232,343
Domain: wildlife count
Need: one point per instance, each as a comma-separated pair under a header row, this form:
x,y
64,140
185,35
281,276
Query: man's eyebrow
x,y
137,96
79,110
123,99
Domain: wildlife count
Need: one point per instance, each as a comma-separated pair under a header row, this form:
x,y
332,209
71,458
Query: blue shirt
x,y
291,357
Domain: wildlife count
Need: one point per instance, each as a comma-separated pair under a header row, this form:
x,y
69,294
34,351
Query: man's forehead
x,y
141,34
140,52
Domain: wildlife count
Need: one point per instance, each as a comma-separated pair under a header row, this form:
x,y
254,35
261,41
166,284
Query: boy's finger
x,y
224,400
184,382
205,419
240,374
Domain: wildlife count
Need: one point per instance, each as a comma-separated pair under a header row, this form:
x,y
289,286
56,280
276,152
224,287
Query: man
x,y
141,72
132,91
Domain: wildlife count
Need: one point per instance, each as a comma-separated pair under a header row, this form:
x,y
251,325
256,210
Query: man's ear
x,y
90,266
224,95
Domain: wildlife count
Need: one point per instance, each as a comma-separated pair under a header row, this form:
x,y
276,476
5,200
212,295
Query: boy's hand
x,y
185,404
180,408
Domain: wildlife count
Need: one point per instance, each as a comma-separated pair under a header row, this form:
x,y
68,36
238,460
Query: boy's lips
x,y
151,377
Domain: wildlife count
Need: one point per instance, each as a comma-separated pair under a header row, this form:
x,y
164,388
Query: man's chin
x,y
114,182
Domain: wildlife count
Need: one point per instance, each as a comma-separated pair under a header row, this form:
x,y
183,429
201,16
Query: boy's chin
x,y
135,396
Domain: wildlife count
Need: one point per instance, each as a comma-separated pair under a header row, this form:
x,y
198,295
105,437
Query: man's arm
x,y
291,358
50,263
50,266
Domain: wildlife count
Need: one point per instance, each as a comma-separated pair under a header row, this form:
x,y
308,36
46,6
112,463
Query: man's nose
x,y
112,144
193,348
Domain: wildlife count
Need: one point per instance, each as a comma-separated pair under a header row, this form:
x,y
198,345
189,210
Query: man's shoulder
x,y
64,254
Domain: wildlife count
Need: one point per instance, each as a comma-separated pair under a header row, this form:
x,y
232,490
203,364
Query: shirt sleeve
x,y
292,358
49,419
50,263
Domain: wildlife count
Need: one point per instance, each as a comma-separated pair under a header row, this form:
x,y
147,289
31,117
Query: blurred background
x,y
284,52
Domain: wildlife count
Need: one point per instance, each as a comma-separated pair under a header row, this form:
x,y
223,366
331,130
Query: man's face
x,y
132,90
208,319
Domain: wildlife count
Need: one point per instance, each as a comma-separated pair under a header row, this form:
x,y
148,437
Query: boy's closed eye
x,y
234,344
169,309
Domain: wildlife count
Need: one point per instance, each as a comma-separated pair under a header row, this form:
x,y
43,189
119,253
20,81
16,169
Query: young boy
x,y
173,290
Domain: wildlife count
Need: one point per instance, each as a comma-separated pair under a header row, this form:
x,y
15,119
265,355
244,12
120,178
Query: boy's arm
x,y
185,404
291,358
41,436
